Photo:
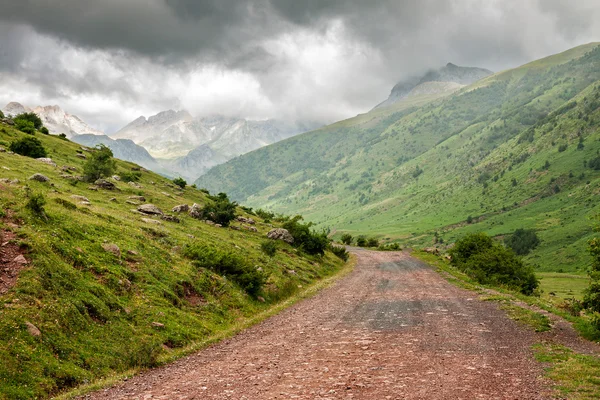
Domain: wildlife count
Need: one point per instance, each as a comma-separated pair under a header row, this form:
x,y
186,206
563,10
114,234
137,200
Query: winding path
x,y
391,329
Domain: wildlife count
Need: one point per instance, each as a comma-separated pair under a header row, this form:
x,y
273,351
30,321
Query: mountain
x,y
190,146
124,149
442,79
55,119
517,149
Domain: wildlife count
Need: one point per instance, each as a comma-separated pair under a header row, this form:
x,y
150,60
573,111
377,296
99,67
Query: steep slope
x,y
404,174
450,75
92,287
55,119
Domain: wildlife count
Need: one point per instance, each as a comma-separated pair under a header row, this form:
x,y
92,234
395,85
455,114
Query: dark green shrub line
x,y
305,238
29,147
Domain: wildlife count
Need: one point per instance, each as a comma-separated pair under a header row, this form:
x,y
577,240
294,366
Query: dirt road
x,y
392,329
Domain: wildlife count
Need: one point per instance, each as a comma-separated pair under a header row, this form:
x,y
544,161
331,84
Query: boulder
x,y
196,211
21,260
170,218
67,168
9,121
80,198
104,184
135,185
251,228
82,156
116,177
246,220
46,161
32,329
157,325
280,234
39,178
137,198
151,221
234,227
181,208
150,209
112,248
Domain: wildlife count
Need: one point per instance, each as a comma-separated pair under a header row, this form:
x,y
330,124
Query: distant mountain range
x,y
435,81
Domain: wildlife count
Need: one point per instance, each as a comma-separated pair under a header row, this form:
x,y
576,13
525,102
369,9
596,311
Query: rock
x,y
150,209
132,252
132,202
2,149
170,218
137,198
116,177
47,161
9,121
112,248
251,228
191,236
157,325
112,199
80,198
135,185
104,184
209,222
39,178
218,225
32,329
82,156
280,234
234,227
151,221
166,194
20,260
261,299
291,272
181,208
94,188
196,211
67,168
246,220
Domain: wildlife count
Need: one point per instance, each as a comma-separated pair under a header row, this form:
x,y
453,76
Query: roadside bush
x,y
361,241
29,147
522,241
340,252
347,239
100,164
308,240
491,263
30,117
180,182
231,265
221,210
25,126
269,247
372,242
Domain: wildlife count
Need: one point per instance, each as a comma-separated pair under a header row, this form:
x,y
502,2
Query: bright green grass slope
x,y
417,170
95,310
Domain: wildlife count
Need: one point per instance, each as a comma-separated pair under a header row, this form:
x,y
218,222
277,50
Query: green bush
x,y
269,247
133,176
25,126
491,263
372,242
523,241
591,298
1,114
100,164
62,136
231,265
180,182
30,117
305,238
361,241
44,130
36,203
594,164
29,147
265,215
340,252
347,239
221,210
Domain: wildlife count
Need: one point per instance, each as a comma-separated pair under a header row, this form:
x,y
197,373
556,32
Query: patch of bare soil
x,y
12,261
392,329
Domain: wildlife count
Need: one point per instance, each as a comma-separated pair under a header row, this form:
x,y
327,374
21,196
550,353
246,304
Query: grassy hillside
x,y
511,151
105,289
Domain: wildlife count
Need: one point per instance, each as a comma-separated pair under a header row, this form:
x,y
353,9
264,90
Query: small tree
x,y
180,182
347,239
44,130
101,164
31,117
28,146
222,210
523,241
25,126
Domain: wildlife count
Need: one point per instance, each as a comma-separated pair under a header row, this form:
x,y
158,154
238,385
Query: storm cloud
x,y
110,61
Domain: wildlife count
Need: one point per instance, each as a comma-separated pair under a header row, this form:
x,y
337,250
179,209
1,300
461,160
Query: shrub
x,y
63,136
29,147
1,114
523,241
591,298
133,176
180,182
36,203
25,126
309,241
361,241
221,210
340,252
30,117
44,130
372,242
347,239
269,247
469,219
231,265
265,215
491,263
594,164
100,164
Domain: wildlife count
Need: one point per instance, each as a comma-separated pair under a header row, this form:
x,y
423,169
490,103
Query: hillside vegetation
x,y
516,150
89,286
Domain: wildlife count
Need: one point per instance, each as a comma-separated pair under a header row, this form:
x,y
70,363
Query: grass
x,y
563,286
535,320
95,309
577,375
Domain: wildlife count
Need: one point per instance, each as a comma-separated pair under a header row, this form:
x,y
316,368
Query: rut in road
x,y
391,329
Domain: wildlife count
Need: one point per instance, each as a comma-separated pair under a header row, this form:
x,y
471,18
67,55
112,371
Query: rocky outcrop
x,y
150,209
39,178
104,184
280,234
196,212
181,208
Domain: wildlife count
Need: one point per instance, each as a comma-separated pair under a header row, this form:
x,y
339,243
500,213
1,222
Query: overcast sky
x,y
110,61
